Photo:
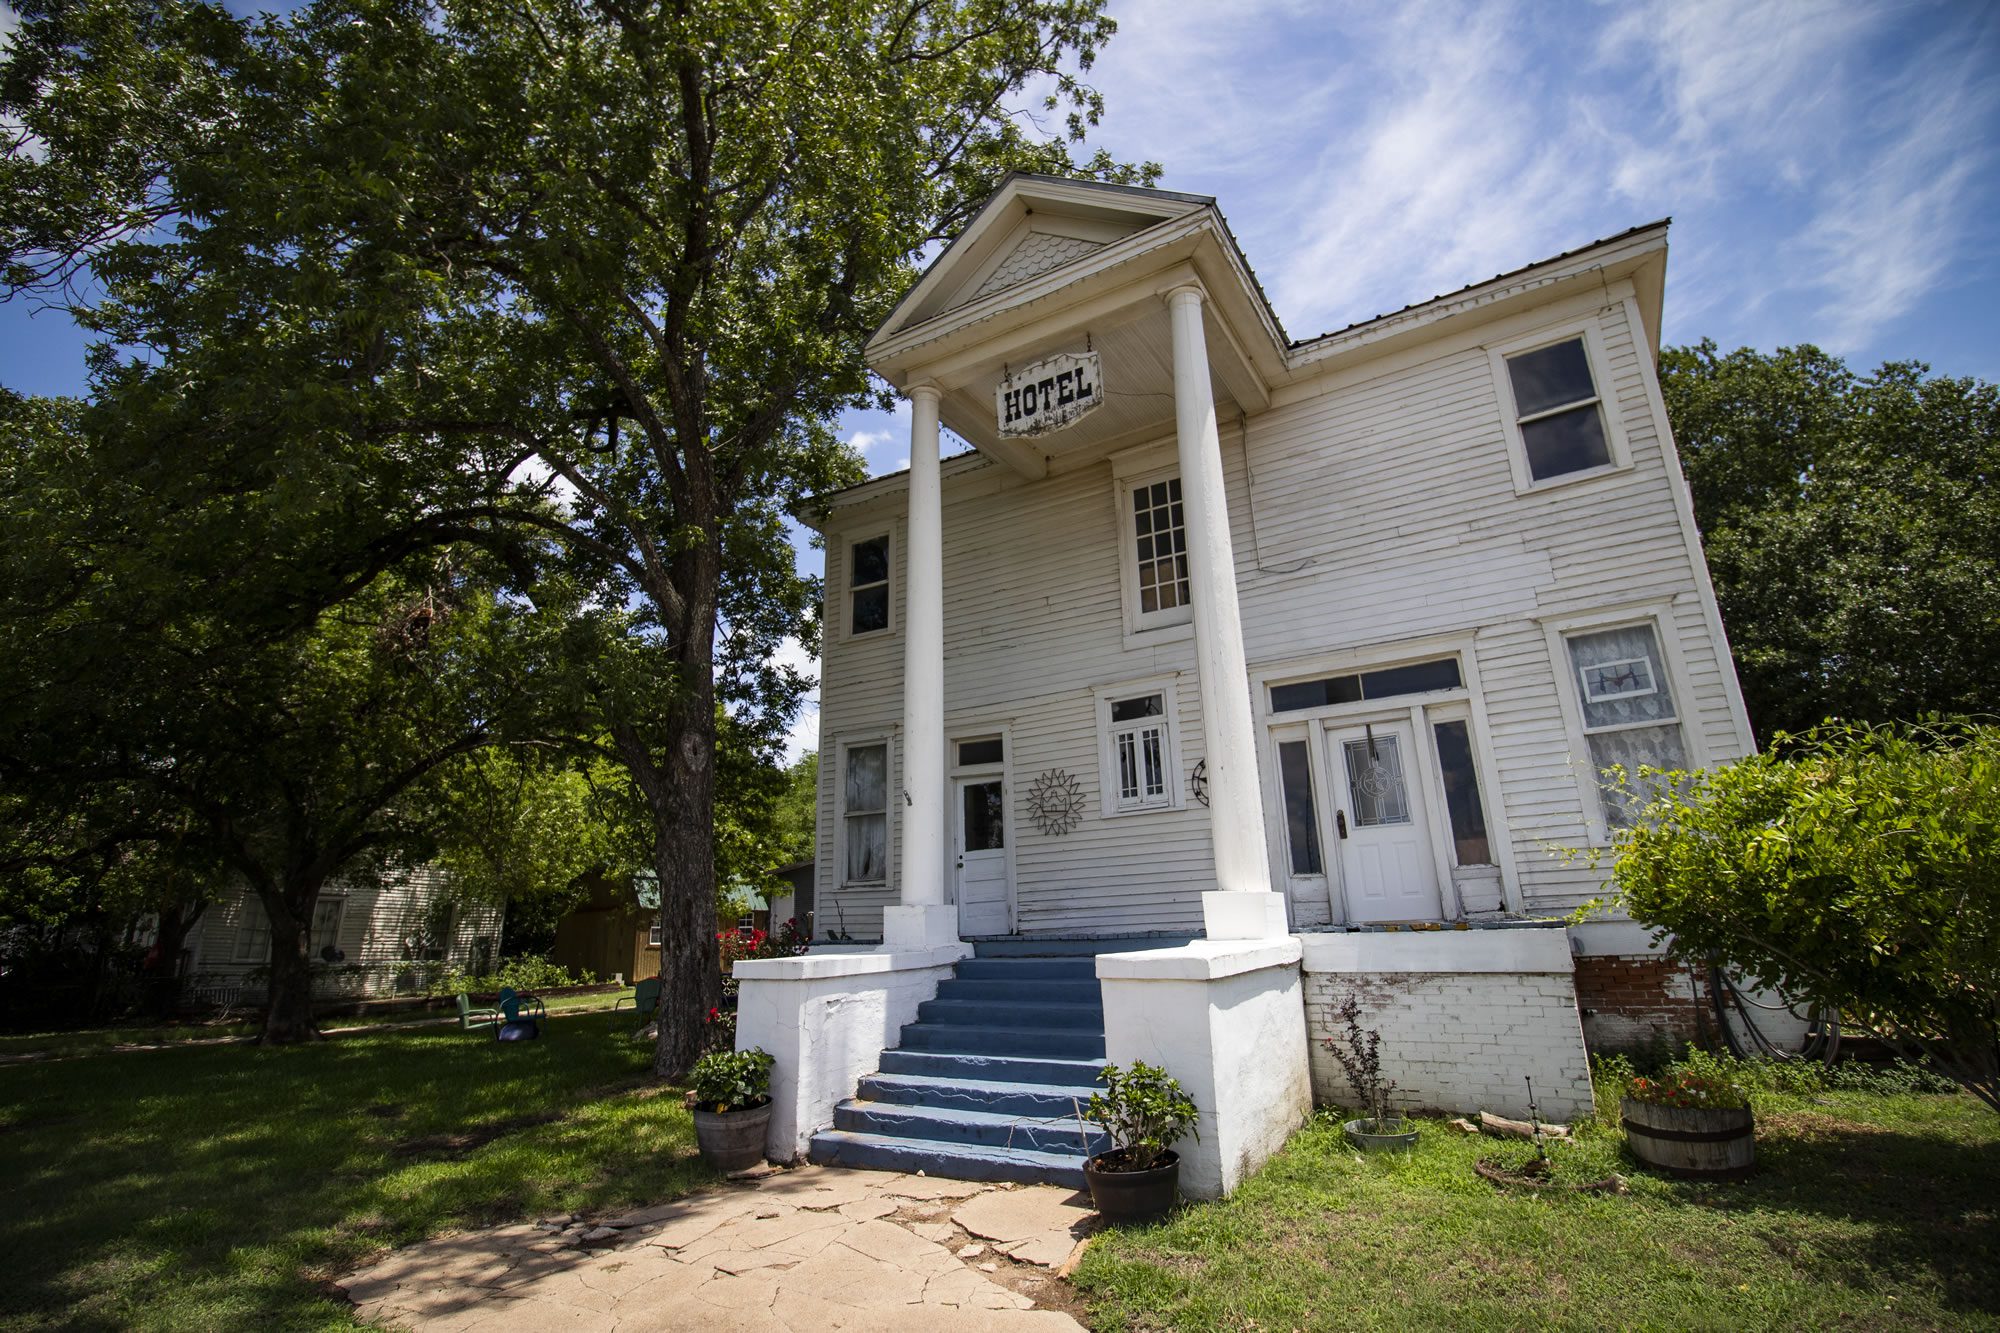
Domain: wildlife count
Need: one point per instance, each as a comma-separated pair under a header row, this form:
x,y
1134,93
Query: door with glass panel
x,y
981,878
1380,824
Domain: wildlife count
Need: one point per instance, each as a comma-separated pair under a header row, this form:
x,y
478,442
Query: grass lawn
x,y
1869,1211
219,1186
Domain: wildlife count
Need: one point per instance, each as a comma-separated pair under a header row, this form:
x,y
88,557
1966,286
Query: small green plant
x,y
732,1080
1145,1111
528,975
1359,1051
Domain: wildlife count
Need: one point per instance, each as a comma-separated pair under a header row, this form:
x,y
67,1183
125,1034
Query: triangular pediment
x,y
1033,225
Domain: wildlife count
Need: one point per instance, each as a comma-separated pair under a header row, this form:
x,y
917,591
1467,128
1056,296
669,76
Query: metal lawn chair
x,y
644,999
470,1018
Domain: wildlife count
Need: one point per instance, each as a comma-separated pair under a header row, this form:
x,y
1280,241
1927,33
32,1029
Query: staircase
x,y
989,1081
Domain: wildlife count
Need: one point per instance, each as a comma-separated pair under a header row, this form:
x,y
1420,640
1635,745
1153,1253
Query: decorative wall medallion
x,y
1055,802
1198,781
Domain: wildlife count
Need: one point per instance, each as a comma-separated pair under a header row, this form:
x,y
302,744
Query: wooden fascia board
x,y
870,495
1608,263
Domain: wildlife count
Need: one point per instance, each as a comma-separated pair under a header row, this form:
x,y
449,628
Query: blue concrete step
x,y
1072,1073
975,1094
1011,1014
1035,947
1030,990
1058,1134
1068,1044
952,1161
1023,969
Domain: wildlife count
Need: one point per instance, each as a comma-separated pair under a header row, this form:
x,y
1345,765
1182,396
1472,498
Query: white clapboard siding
x,y
1379,511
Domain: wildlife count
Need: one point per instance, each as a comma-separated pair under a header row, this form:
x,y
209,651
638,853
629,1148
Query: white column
x,y
1245,907
922,919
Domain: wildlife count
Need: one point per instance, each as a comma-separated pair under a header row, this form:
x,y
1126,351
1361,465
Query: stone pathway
x,y
794,1250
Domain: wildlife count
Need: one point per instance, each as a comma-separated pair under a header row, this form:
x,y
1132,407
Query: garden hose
x,y
1822,1029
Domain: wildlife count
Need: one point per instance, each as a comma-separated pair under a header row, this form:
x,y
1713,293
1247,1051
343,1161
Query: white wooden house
x,y
1220,635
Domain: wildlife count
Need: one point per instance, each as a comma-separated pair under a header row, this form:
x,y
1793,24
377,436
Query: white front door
x,y
984,900
1380,824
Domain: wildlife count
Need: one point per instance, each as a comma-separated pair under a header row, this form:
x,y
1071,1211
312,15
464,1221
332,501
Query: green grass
x,y
1868,1211
220,1186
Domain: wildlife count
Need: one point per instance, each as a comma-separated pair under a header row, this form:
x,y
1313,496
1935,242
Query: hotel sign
x,y
1048,395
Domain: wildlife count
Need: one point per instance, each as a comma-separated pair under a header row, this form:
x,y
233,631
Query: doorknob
x,y
1340,821
961,863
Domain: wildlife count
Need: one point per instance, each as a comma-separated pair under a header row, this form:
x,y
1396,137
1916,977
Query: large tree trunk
x,y
684,859
288,1007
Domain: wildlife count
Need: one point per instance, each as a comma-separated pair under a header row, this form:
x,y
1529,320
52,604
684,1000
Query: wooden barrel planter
x,y
1692,1142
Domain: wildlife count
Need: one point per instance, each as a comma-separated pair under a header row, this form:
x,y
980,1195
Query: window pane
x,y
1315,693
980,752
1156,769
985,817
1461,795
871,609
867,848
1301,820
1375,778
1611,666
326,925
1128,766
871,561
1416,678
867,778
1131,710
1634,748
1564,443
1161,547
1550,377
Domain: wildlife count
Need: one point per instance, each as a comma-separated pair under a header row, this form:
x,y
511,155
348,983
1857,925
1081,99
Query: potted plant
x,y
1359,1052
1697,1126
1144,1110
731,1094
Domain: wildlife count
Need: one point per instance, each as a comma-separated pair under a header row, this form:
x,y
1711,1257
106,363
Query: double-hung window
x,y
865,814
253,933
868,585
1629,716
327,915
1138,746
1153,552
1555,408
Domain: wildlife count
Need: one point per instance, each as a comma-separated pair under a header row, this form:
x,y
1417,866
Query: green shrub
x,y
1144,1110
1857,868
528,975
732,1080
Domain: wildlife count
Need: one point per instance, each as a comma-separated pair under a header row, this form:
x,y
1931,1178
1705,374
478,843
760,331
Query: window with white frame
x,y
868,585
865,814
327,916
1559,417
1629,716
253,933
1138,748
1155,552
653,935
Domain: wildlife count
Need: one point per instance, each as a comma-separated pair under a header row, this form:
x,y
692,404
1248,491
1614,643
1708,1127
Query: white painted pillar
x,y
1245,907
922,919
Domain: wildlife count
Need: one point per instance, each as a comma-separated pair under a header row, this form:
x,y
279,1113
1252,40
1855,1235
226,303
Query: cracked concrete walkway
x,y
810,1248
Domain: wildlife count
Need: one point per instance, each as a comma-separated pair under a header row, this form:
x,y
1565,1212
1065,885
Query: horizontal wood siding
x,y
1380,511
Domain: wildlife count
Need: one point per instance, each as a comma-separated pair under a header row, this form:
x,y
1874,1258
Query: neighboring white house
x,y
1217,633
372,936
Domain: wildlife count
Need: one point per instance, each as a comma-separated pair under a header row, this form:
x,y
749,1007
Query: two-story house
x,y
1220,645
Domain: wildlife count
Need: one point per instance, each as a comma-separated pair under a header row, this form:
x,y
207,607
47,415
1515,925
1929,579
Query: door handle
x,y
1340,821
961,863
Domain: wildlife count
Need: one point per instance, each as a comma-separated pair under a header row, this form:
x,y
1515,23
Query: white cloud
x,y
803,734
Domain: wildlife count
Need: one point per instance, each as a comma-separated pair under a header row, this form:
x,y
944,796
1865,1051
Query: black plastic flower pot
x,y
1132,1196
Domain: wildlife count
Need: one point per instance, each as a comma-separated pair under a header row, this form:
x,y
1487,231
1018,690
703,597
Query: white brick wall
x,y
1458,1041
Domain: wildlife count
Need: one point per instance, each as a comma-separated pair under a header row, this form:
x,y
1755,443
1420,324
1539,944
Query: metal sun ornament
x,y
1198,780
1055,802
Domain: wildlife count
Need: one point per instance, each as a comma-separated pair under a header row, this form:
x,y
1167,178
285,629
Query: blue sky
x,y
1829,167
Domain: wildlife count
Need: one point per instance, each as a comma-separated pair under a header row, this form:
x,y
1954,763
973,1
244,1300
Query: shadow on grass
x,y
222,1186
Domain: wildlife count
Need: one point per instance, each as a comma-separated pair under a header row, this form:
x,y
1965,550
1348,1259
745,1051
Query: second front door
x,y
1380,824
984,900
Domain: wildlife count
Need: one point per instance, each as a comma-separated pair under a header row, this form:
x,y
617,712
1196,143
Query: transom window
x,y
1139,744
865,818
1416,678
1160,543
1629,717
981,753
1557,411
868,585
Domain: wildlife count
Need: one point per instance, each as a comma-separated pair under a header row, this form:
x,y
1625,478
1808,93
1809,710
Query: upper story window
x,y
1555,408
1138,746
868,585
1629,716
1383,683
1153,561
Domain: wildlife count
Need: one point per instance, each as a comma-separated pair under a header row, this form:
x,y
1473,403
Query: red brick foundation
x,y
1638,1002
